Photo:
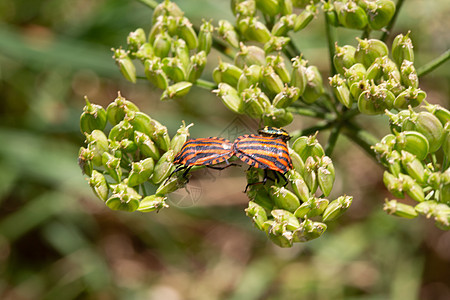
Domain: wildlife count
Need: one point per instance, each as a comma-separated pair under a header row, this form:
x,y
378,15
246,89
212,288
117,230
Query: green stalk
x,y
205,84
308,112
427,68
331,39
334,134
387,31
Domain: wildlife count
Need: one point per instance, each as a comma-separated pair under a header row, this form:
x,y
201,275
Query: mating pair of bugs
x,y
267,151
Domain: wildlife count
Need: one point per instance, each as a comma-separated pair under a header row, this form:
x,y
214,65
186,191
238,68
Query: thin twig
x,y
427,68
388,28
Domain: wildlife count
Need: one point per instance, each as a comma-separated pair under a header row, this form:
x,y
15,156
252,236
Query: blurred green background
x,y
59,242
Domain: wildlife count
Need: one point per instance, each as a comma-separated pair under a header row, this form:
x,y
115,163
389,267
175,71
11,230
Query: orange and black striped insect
x,y
264,152
278,133
203,152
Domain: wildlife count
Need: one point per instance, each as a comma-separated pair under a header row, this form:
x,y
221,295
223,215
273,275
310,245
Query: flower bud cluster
x,y
300,212
137,154
417,156
370,79
173,54
360,14
263,86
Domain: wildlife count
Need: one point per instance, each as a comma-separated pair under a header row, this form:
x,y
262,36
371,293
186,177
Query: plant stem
x,y
331,39
387,31
150,3
361,137
427,68
205,84
311,130
308,112
334,134
291,50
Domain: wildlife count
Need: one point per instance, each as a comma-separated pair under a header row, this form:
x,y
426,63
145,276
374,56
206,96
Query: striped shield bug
x,y
264,152
203,152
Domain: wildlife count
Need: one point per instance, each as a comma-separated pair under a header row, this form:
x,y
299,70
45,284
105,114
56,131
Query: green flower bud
x,y
174,69
99,185
297,161
271,81
393,162
163,167
355,73
310,174
344,58
428,125
277,63
117,110
97,144
162,45
305,17
244,8
398,209
277,234
205,36
330,14
257,31
286,97
426,208
160,135
230,97
227,73
414,143
152,203
325,175
196,67
402,49
286,219
255,102
85,157
93,117
368,50
125,64
155,74
446,143
167,8
307,146
276,43
181,51
309,230
180,138
176,90
284,25
284,198
112,165
123,198
439,112
277,117
228,33
299,185
336,208
396,121
187,33
351,15
380,14
127,146
299,78
141,122
140,171
408,74
146,146
268,7
135,40
311,208
314,87
410,97
249,55
121,131
375,71
286,7
145,52
171,185
250,77
443,219
341,90
375,100
393,184
390,70
257,213
412,188
444,190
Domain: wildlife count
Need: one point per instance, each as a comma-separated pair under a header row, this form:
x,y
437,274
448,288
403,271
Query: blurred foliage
x,y
56,242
